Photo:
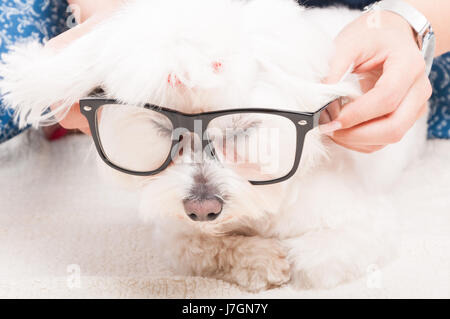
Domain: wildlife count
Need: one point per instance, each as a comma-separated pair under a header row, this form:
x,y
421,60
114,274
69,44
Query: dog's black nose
x,y
203,210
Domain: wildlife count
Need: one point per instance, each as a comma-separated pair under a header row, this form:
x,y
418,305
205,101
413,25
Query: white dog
x,y
325,225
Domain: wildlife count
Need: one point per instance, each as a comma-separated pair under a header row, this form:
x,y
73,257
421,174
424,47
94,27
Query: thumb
x,y
64,39
341,63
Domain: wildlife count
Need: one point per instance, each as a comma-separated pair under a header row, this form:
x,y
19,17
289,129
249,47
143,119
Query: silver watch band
x,y
425,35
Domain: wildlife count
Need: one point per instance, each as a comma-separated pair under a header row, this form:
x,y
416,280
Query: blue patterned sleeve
x,y
439,120
354,4
27,19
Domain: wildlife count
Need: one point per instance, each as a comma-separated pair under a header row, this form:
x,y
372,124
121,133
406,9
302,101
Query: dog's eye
x,y
242,126
162,129
237,132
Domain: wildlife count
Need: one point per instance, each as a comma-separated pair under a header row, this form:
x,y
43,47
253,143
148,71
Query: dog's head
x,y
193,57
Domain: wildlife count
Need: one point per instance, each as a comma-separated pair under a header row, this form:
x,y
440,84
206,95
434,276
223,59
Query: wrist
x,y
423,32
437,12
390,23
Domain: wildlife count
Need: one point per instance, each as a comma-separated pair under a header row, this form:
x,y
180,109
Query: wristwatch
x,y
422,27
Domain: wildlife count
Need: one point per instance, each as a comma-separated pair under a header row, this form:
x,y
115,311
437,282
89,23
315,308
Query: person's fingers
x,y
85,130
423,111
399,74
324,118
330,113
343,59
67,37
87,8
334,109
391,128
362,148
74,119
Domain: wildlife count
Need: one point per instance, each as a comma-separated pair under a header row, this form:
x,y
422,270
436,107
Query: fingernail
x,y
330,127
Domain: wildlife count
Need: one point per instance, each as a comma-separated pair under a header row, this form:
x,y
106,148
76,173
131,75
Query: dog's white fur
x,y
326,225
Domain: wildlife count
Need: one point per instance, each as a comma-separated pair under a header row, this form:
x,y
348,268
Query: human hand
x,y
91,13
393,78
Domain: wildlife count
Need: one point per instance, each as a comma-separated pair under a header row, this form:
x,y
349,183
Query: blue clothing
x,y
44,19
354,4
439,120
27,19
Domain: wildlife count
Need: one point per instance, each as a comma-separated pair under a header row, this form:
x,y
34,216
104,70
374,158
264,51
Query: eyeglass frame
x,y
303,121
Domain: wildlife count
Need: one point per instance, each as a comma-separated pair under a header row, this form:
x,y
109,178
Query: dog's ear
x,y
33,77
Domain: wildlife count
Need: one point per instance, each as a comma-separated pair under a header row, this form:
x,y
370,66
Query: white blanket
x,y
64,234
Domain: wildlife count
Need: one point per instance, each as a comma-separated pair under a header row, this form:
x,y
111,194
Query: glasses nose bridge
x,y
193,123
196,125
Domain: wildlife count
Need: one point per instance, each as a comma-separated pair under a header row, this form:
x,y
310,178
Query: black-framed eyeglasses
x,y
262,145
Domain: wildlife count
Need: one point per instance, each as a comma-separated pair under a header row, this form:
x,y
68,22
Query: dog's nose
x,y
203,210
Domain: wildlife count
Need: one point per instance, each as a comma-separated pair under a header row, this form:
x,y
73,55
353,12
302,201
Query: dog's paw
x,y
324,275
342,261
260,264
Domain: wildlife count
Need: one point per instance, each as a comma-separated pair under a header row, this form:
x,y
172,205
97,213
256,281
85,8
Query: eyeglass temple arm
x,y
316,115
